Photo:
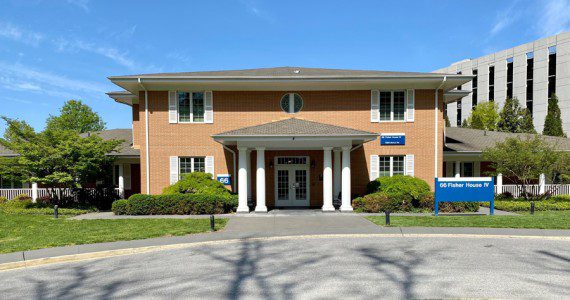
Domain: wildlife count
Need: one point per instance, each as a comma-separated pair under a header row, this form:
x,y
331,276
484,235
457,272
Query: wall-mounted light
x,y
271,164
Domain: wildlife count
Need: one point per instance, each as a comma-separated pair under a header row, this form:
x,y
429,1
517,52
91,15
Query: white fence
x,y
557,189
42,192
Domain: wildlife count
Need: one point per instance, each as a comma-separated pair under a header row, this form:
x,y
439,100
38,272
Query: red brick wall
x,y
236,109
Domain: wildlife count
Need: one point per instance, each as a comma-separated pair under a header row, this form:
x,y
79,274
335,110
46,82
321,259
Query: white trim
x,y
392,106
191,102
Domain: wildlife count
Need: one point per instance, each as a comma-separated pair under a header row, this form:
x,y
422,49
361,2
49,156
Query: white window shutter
x,y
172,107
409,165
374,106
210,165
374,167
410,105
173,169
208,107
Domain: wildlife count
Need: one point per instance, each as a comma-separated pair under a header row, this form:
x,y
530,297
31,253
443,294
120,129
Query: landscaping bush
x,y
376,202
407,188
428,203
560,198
175,204
522,206
504,196
22,198
197,183
3,200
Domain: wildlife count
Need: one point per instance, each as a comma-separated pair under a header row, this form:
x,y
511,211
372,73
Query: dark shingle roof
x,y
294,127
126,135
285,72
474,140
125,149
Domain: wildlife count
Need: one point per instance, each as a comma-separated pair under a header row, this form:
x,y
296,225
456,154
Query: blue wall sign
x,y
466,189
225,179
392,139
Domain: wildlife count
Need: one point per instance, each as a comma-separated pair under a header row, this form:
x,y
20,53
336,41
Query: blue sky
x,y
52,51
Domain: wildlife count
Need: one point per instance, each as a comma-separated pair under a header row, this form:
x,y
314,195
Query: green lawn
x,y
27,232
540,220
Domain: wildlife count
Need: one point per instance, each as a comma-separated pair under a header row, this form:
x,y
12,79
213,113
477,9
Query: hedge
x,y
27,207
380,202
407,188
518,205
175,204
197,183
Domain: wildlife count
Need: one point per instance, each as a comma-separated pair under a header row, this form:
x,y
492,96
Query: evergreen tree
x,y
553,121
484,117
527,126
514,118
447,123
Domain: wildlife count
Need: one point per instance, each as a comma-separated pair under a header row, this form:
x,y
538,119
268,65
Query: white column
x,y
242,181
34,191
248,166
121,181
346,193
457,169
260,181
327,180
542,184
499,183
336,173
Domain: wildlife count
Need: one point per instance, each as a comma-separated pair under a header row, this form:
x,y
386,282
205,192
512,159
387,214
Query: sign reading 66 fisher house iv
x,y
466,189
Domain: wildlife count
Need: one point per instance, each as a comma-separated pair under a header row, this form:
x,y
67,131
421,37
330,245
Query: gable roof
x,y
459,139
294,127
285,72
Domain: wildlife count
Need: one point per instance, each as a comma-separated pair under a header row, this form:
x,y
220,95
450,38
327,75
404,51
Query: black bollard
x,y
55,212
532,207
212,223
387,217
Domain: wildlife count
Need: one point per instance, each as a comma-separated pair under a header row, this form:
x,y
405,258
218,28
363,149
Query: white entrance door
x,y
292,181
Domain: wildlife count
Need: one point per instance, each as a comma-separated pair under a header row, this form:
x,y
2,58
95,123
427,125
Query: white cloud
x,y
18,77
15,33
555,17
252,7
505,18
83,4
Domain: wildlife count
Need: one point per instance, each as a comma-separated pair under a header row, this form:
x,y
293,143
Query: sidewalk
x,y
278,213
276,226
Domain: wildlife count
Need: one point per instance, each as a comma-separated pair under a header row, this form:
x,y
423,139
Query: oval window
x,y
291,103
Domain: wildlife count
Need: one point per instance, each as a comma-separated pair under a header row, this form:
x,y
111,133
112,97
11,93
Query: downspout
x,y
234,165
147,160
436,161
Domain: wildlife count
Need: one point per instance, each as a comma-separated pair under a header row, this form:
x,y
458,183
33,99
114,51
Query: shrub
x,y
197,183
560,198
3,200
544,205
428,203
175,204
376,202
120,207
504,196
22,198
400,186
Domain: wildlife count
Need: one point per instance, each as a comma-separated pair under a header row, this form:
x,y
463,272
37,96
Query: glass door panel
x,y
283,185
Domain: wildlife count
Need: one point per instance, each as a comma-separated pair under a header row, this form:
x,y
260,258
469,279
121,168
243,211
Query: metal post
x,y
55,211
212,223
387,217
532,207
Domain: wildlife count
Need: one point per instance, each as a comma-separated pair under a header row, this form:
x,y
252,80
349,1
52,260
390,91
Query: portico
x,y
298,163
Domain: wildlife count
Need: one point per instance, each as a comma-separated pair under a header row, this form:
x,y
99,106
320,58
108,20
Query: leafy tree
x,y
553,121
483,117
55,158
514,118
75,116
523,160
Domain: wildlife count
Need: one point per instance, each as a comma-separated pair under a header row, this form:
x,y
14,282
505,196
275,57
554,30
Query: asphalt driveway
x,y
314,267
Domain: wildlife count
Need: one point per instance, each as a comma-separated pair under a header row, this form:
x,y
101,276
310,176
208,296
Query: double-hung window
x,y
391,165
191,107
191,164
392,106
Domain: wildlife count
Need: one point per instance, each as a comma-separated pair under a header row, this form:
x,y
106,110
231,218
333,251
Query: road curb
x,y
139,250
